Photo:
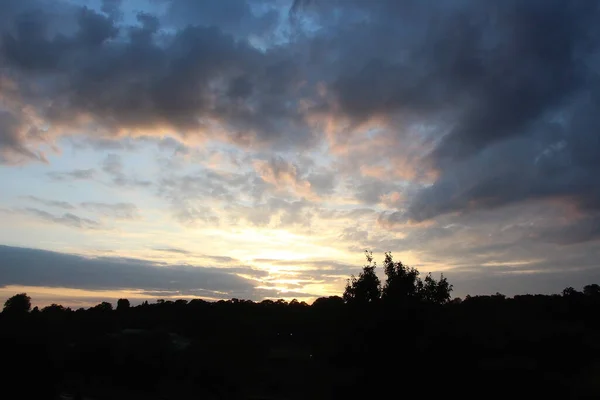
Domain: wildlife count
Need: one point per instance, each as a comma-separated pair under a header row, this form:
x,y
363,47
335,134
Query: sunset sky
x,y
255,148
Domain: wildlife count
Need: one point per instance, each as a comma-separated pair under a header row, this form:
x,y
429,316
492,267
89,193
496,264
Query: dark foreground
x,y
485,347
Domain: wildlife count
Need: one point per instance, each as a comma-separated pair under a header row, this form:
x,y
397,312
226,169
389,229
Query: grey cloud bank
x,y
30,267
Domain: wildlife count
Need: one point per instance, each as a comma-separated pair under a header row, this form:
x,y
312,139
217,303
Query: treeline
x,y
404,337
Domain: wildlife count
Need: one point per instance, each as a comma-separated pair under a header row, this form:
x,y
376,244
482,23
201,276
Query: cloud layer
x,y
456,132
29,267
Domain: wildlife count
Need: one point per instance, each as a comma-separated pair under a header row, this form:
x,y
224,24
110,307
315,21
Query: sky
x,y
255,148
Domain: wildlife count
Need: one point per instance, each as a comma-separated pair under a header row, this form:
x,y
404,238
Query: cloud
x,y
76,174
107,144
198,198
283,175
67,219
443,127
173,250
220,259
241,18
29,267
50,203
143,79
579,231
113,166
15,136
372,191
501,95
116,210
354,234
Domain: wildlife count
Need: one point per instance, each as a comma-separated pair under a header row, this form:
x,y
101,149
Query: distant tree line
x,y
419,342
403,287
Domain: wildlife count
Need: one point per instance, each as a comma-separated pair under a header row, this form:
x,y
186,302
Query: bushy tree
x,y
570,292
104,307
402,283
367,287
436,292
54,309
18,304
123,304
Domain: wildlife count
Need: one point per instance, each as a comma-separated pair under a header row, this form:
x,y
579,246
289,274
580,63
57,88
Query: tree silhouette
x,y
18,304
367,287
436,292
104,306
592,290
402,283
570,292
54,309
493,338
328,302
122,304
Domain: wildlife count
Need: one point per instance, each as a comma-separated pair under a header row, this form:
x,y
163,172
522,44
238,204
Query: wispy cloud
x,y
113,166
66,219
76,174
50,203
113,210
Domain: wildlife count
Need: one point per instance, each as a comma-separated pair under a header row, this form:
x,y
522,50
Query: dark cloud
x,y
234,16
506,92
115,210
67,219
578,231
51,203
112,8
124,80
28,267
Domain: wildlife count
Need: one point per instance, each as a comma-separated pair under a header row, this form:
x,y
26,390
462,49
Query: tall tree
x,y
402,283
367,287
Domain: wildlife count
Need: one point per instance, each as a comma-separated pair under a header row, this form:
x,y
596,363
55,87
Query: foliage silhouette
x,y
18,304
402,283
123,304
367,287
494,346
